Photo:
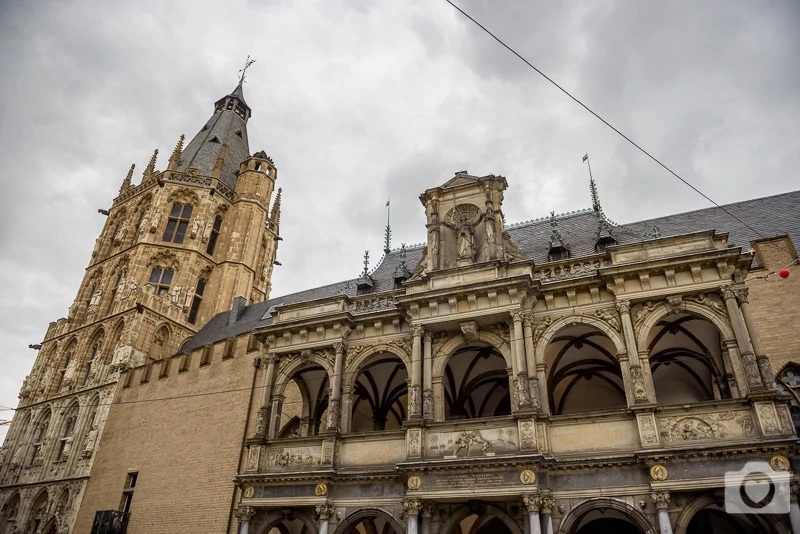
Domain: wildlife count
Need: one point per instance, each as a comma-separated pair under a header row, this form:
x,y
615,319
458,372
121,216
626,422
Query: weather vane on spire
x,y
247,63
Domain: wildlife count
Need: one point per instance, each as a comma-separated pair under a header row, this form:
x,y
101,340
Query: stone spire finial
x,y
151,167
126,183
366,264
175,158
275,214
387,245
217,172
555,239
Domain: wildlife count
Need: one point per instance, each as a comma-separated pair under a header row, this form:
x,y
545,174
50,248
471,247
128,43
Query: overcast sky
x,y
361,100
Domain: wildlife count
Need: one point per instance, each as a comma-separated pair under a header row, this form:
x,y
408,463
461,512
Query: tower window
x,y
197,300
558,254
212,240
239,133
161,279
178,223
127,493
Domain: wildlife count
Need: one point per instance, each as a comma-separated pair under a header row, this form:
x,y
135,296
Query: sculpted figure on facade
x,y
91,440
119,237
67,447
466,243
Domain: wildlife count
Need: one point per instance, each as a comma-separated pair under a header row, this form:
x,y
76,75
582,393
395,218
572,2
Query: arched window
x,y
66,436
212,239
177,223
476,383
197,300
380,394
788,382
9,514
39,440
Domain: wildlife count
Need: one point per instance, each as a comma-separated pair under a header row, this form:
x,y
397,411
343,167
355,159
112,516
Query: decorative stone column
x,y
547,512
335,407
740,331
661,500
415,393
794,509
532,504
641,379
412,509
523,388
427,377
245,514
530,360
764,367
262,423
275,412
427,513
324,512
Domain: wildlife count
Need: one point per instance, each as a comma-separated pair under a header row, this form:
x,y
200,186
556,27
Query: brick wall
x,y
775,302
185,450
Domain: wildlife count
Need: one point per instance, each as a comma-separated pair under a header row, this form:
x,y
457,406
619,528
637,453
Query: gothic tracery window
x,y
177,223
161,279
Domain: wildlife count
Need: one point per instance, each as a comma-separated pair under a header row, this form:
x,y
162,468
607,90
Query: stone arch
x,y
353,519
10,510
572,320
284,374
38,507
446,351
312,405
573,517
352,368
459,514
693,308
277,516
159,343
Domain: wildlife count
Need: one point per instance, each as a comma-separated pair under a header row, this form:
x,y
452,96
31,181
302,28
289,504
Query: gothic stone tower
x,y
175,250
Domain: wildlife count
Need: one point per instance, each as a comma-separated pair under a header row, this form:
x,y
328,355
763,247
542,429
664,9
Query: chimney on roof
x,y
239,304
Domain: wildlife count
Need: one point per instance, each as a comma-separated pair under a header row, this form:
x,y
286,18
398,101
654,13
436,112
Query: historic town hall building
x,y
564,375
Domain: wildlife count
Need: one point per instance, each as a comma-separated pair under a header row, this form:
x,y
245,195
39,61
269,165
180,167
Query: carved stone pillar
x,y
245,514
532,504
661,500
764,366
275,415
541,374
324,512
427,512
547,512
262,423
427,377
523,388
530,360
794,509
335,408
412,509
641,378
740,331
415,393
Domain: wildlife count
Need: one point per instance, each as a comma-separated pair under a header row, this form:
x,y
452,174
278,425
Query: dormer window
x,y
603,243
558,254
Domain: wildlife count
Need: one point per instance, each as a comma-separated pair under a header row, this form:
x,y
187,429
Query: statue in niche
x,y
69,374
95,300
91,439
466,243
143,224
155,221
176,294
120,235
120,288
434,246
67,447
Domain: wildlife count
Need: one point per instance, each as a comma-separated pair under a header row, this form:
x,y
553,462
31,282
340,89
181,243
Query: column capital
x,y
548,503
660,499
527,320
428,509
270,358
727,292
532,502
742,294
245,513
418,330
325,511
412,507
623,306
427,337
340,347
517,315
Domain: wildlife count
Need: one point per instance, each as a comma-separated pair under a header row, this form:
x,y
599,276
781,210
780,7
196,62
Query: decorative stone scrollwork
x,y
639,390
527,435
413,400
610,317
414,440
541,326
708,300
641,311
427,404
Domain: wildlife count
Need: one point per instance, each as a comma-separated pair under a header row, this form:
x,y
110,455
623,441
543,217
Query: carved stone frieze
x,y
647,429
293,457
253,457
768,418
541,326
427,404
527,435
467,443
414,443
637,379
608,316
715,426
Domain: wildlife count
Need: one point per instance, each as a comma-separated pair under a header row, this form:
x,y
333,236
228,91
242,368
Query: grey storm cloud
x,y
360,101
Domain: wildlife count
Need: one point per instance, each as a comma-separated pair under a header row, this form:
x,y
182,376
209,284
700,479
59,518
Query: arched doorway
x,y
479,517
481,524
606,515
285,521
370,521
476,383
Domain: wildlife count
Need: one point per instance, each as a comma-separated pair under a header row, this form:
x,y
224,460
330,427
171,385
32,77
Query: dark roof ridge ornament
x,y
555,239
387,246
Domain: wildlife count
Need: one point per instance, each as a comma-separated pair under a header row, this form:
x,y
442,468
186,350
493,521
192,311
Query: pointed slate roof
x,y
228,125
771,216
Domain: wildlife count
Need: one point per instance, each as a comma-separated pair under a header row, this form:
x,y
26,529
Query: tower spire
x,y
275,214
126,183
151,167
175,158
217,172
387,245
247,64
